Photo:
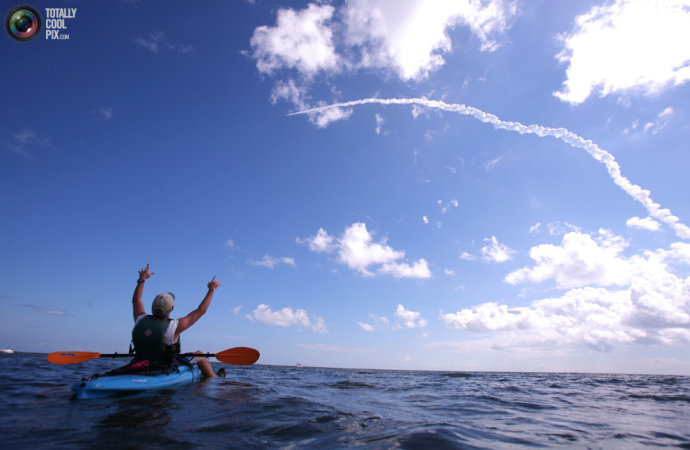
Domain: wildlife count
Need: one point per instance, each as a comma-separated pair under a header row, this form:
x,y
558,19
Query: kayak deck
x,y
109,385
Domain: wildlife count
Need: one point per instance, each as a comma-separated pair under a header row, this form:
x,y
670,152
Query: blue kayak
x,y
100,386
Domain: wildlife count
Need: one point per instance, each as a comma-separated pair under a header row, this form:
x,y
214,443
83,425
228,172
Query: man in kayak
x,y
156,336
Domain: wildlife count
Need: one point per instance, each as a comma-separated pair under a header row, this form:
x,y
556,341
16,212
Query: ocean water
x,y
289,407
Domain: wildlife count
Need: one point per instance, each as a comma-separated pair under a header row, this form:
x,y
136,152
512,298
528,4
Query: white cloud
x,y
561,228
357,249
410,36
647,312
449,272
287,317
607,159
288,90
535,228
496,252
580,260
324,118
492,163
418,269
425,219
106,112
321,243
405,319
407,36
366,326
299,97
643,224
24,142
651,304
380,323
270,262
453,203
152,43
662,119
466,256
627,45
300,40
379,123
410,319
48,311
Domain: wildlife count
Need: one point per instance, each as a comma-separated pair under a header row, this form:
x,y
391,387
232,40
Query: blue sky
x,y
467,185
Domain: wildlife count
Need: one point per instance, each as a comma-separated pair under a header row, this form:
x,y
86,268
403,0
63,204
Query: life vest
x,y
148,339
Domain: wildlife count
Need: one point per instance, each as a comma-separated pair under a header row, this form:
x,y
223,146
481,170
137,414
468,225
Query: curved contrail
x,y
638,193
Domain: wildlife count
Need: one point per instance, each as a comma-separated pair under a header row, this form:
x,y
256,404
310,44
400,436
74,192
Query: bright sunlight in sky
x,y
406,184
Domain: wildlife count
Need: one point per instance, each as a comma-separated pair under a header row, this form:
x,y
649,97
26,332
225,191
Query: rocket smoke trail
x,y
641,195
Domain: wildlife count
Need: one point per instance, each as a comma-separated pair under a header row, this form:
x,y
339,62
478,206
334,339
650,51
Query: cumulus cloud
x,y
410,319
643,224
406,36
319,243
287,317
467,256
611,299
607,159
627,45
270,262
357,249
410,36
496,252
300,40
580,260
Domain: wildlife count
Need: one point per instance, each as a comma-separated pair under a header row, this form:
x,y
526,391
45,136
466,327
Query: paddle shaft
x,y
127,355
240,356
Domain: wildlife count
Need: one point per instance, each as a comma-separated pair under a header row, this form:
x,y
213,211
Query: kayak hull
x,y
109,385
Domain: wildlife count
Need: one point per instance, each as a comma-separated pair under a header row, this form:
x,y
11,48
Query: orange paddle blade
x,y
71,357
239,356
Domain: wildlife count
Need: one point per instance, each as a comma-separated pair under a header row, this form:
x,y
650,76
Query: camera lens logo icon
x,y
23,23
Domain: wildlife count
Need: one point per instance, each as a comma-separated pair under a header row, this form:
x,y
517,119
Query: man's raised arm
x,y
137,306
191,318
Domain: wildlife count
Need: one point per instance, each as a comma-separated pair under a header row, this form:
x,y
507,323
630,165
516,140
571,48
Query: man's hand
x,y
144,273
213,284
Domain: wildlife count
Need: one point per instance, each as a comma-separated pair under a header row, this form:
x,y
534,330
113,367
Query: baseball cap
x,y
163,304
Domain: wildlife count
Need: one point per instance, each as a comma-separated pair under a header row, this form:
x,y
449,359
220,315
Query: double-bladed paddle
x,y
239,356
